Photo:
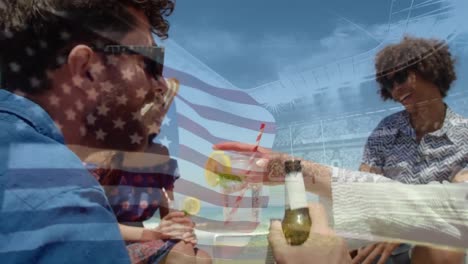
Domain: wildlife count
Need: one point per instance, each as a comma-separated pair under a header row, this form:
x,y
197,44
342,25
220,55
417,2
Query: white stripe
x,y
248,111
42,156
198,177
30,240
202,145
12,196
197,143
223,130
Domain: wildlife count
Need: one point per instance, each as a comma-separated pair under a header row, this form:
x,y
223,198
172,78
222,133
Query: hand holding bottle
x,y
296,222
322,246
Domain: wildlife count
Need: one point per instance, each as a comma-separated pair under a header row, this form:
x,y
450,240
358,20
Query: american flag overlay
x,y
202,115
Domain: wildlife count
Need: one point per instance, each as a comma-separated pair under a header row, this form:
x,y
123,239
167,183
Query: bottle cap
x,y
292,166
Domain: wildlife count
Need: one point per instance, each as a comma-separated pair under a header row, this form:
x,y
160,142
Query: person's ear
x,y
79,61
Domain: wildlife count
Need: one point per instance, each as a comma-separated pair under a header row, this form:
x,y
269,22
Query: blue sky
x,y
268,41
252,44
292,49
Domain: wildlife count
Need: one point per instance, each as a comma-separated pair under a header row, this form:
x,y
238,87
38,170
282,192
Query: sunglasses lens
x,y
153,56
401,77
154,68
154,61
159,61
387,84
158,69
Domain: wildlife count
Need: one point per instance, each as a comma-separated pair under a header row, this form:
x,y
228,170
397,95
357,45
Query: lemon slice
x,y
191,206
217,163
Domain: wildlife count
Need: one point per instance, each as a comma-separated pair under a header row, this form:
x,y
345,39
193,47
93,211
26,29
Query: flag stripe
x,y
223,116
227,94
188,124
65,179
220,129
199,159
231,105
190,188
65,251
35,238
42,217
207,114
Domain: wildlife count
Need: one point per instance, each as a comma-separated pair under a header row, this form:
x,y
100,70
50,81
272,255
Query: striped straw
x,y
249,167
169,201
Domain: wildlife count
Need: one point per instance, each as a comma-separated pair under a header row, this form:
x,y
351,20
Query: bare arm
x,y
133,233
371,207
375,209
428,255
423,254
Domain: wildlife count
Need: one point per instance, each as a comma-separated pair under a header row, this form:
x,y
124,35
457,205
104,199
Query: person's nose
x,y
159,85
157,89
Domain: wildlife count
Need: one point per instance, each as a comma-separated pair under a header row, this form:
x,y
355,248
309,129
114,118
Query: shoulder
x,y
390,125
36,167
457,127
25,147
458,121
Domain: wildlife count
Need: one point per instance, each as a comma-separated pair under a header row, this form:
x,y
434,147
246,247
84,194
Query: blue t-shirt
x,y
52,209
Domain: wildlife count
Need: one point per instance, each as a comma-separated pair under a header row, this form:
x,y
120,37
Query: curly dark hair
x,y
429,57
35,35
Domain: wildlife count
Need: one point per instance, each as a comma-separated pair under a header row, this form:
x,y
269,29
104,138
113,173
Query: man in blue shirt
x,y
74,73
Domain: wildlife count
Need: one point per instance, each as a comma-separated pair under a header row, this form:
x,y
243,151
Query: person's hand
x,y
322,246
266,159
460,177
369,254
175,225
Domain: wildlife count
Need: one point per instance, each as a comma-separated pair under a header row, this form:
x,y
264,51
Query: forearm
x,y
317,178
427,255
380,209
373,207
133,233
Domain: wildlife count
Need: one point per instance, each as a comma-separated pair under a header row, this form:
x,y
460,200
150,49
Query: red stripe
x,y
203,193
216,226
224,93
226,117
188,124
211,196
190,155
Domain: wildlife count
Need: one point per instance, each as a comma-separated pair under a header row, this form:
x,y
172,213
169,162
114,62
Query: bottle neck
x,y
295,193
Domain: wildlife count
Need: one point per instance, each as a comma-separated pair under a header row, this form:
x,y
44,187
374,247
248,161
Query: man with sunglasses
x,y
77,77
422,143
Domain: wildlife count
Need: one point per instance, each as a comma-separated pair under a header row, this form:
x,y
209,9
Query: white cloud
x,y
209,41
344,41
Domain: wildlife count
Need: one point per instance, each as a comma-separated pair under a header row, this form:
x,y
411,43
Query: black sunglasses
x,y
399,77
153,56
